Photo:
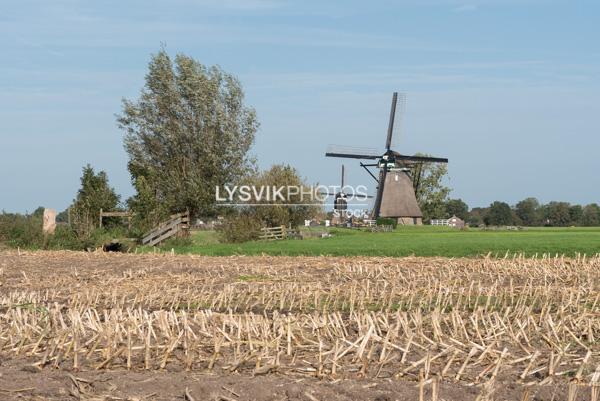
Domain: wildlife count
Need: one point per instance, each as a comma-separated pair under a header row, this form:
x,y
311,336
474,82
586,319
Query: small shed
x,y
456,222
453,221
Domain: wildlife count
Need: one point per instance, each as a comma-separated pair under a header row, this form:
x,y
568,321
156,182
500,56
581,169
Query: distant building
x,y
451,222
456,222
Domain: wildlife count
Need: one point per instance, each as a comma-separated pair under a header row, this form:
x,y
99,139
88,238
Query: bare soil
x,y
20,381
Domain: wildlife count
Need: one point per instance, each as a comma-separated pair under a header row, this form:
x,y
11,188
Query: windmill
x,y
340,200
395,189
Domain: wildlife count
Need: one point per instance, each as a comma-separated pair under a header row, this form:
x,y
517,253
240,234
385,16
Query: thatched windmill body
x,y
395,187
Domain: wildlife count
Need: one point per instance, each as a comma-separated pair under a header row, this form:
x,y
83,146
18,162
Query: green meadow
x,y
405,241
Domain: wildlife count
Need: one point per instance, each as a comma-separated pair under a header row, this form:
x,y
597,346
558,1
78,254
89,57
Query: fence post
x,y
100,218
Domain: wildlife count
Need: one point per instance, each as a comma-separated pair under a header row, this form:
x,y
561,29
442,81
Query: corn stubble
x,y
477,322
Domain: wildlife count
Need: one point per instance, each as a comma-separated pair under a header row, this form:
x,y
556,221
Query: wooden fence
x,y
382,229
128,215
177,223
370,223
280,232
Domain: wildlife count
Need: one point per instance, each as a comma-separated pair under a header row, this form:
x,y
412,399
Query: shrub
x,y
24,231
101,236
384,221
239,228
64,238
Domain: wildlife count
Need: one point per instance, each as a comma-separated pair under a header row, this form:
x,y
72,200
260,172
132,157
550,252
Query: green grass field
x,y
418,241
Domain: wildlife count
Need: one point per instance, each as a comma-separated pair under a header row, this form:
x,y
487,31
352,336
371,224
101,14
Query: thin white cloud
x,y
241,4
466,7
122,33
483,74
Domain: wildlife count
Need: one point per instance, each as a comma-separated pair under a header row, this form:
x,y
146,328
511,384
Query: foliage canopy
x,y
244,224
430,190
188,132
95,194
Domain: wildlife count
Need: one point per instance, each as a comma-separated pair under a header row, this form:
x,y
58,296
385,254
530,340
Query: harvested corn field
x,y
115,327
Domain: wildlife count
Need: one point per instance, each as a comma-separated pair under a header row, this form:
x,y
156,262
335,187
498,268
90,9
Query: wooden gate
x,y
176,224
280,232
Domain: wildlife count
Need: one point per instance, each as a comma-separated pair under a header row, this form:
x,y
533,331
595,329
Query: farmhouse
x,y
451,222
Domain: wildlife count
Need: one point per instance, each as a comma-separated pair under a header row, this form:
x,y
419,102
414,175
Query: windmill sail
x,y
379,196
383,171
388,141
352,152
399,120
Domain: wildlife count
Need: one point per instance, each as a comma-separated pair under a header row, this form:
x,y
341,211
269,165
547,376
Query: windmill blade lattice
x,y
399,120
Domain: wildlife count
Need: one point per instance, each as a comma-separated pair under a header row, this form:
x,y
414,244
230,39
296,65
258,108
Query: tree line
x,y
529,212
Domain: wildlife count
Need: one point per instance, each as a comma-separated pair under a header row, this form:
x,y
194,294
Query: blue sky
x,y
507,90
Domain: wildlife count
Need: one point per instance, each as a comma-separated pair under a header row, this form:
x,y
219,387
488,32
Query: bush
x,y
384,221
239,228
64,238
101,236
24,231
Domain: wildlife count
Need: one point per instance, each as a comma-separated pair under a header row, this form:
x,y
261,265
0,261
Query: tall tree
x,y
188,132
476,216
576,215
499,214
293,207
528,210
557,214
430,190
95,194
458,208
591,215
296,208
